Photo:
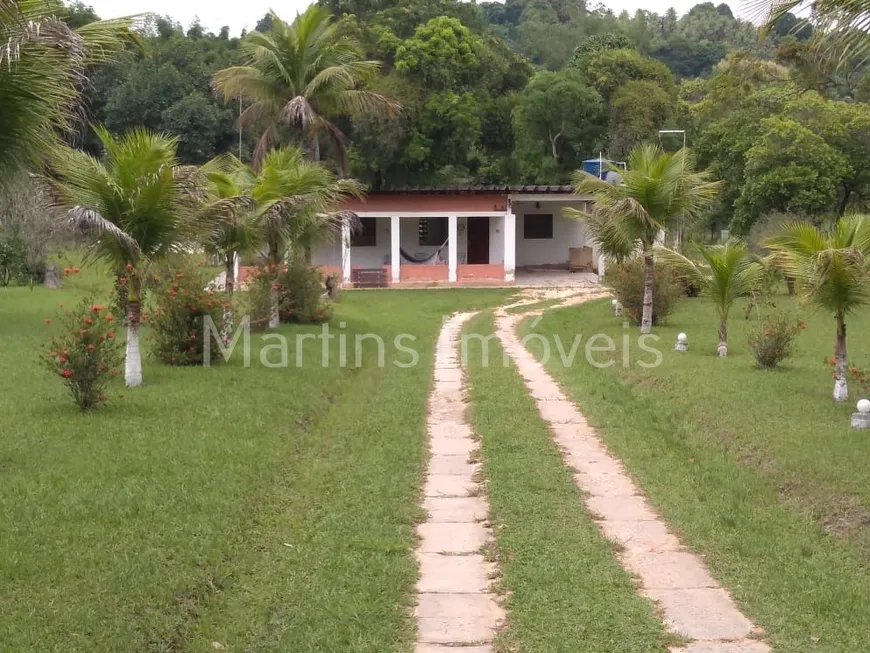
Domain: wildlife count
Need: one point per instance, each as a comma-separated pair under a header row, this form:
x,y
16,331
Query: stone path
x,y
693,605
456,612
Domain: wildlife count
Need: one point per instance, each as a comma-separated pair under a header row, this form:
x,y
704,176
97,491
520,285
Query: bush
x,y
771,339
85,353
300,295
13,258
181,305
626,281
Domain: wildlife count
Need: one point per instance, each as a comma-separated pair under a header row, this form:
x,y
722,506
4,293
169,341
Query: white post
x,y
452,247
236,260
345,252
395,244
510,246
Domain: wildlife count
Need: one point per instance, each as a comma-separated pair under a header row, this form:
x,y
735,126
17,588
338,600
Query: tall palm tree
x,y
43,66
304,75
830,268
840,27
293,204
135,203
658,192
724,273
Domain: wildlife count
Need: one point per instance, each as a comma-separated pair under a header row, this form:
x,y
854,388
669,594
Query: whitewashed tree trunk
x,y
646,318
722,348
841,388
274,318
133,359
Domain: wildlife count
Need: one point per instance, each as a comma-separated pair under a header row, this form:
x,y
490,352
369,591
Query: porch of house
x,y
467,236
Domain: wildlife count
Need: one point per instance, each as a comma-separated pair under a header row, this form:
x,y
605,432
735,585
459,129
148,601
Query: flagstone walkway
x,y
456,612
692,603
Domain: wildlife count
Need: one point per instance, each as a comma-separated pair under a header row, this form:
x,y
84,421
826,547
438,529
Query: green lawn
x,y
567,592
759,471
258,509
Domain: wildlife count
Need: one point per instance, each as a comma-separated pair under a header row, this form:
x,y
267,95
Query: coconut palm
x,y
227,215
135,204
724,273
832,269
292,203
658,192
304,75
43,66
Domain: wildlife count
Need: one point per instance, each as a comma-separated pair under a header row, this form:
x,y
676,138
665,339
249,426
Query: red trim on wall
x,y
493,271
424,273
428,202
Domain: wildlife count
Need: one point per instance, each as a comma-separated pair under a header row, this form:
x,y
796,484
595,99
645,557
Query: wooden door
x,y
478,240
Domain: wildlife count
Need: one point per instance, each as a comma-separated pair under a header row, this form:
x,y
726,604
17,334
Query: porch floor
x,y
543,278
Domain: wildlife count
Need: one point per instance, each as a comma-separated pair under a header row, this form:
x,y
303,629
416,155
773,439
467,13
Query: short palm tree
x,y
135,204
43,66
292,203
724,273
658,192
830,268
302,74
227,214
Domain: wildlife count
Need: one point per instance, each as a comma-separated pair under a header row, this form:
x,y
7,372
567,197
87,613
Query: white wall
x,y
567,232
496,239
373,257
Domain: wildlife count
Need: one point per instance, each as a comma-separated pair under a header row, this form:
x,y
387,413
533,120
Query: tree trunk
x,y
722,349
274,317
646,319
133,358
230,265
841,389
789,282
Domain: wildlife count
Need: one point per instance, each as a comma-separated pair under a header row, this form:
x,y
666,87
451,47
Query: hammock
x,y
422,259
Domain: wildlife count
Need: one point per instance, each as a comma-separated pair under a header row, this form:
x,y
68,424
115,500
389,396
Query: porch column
x,y
395,244
452,247
510,246
345,252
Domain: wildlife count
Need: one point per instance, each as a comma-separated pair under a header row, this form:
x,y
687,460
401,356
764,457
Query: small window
x,y
367,235
432,231
538,226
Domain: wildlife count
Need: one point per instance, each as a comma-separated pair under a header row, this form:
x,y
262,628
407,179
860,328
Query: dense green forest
x,y
522,92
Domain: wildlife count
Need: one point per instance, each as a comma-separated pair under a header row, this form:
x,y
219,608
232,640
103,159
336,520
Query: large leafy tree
x,y
43,67
135,203
724,273
831,268
660,191
302,74
560,117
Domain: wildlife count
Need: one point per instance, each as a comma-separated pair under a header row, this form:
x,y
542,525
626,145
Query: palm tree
x,y
43,66
840,27
134,203
228,216
830,268
658,192
293,204
303,75
724,274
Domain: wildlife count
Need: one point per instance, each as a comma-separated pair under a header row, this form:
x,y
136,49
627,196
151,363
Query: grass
x,y
759,471
252,508
566,589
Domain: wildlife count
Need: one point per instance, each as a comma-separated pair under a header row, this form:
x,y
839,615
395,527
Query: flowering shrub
x,y
771,340
85,352
300,294
181,305
859,375
626,281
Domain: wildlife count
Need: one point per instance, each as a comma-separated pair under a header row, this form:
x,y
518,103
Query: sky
x,y
213,14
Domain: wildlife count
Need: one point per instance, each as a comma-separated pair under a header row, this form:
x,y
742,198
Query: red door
x,y
478,240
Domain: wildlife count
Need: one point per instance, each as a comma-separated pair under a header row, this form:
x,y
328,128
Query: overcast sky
x,y
245,13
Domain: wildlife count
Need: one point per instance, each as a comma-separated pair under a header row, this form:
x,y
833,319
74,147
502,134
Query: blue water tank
x,y
593,166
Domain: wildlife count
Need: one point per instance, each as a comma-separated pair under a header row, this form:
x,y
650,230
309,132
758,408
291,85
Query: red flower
x,y
129,267
91,347
179,275
122,281
47,320
193,336
84,332
88,321
110,317
111,335
66,373
76,270
67,272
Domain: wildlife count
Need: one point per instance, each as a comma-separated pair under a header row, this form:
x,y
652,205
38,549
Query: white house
x,y
456,235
